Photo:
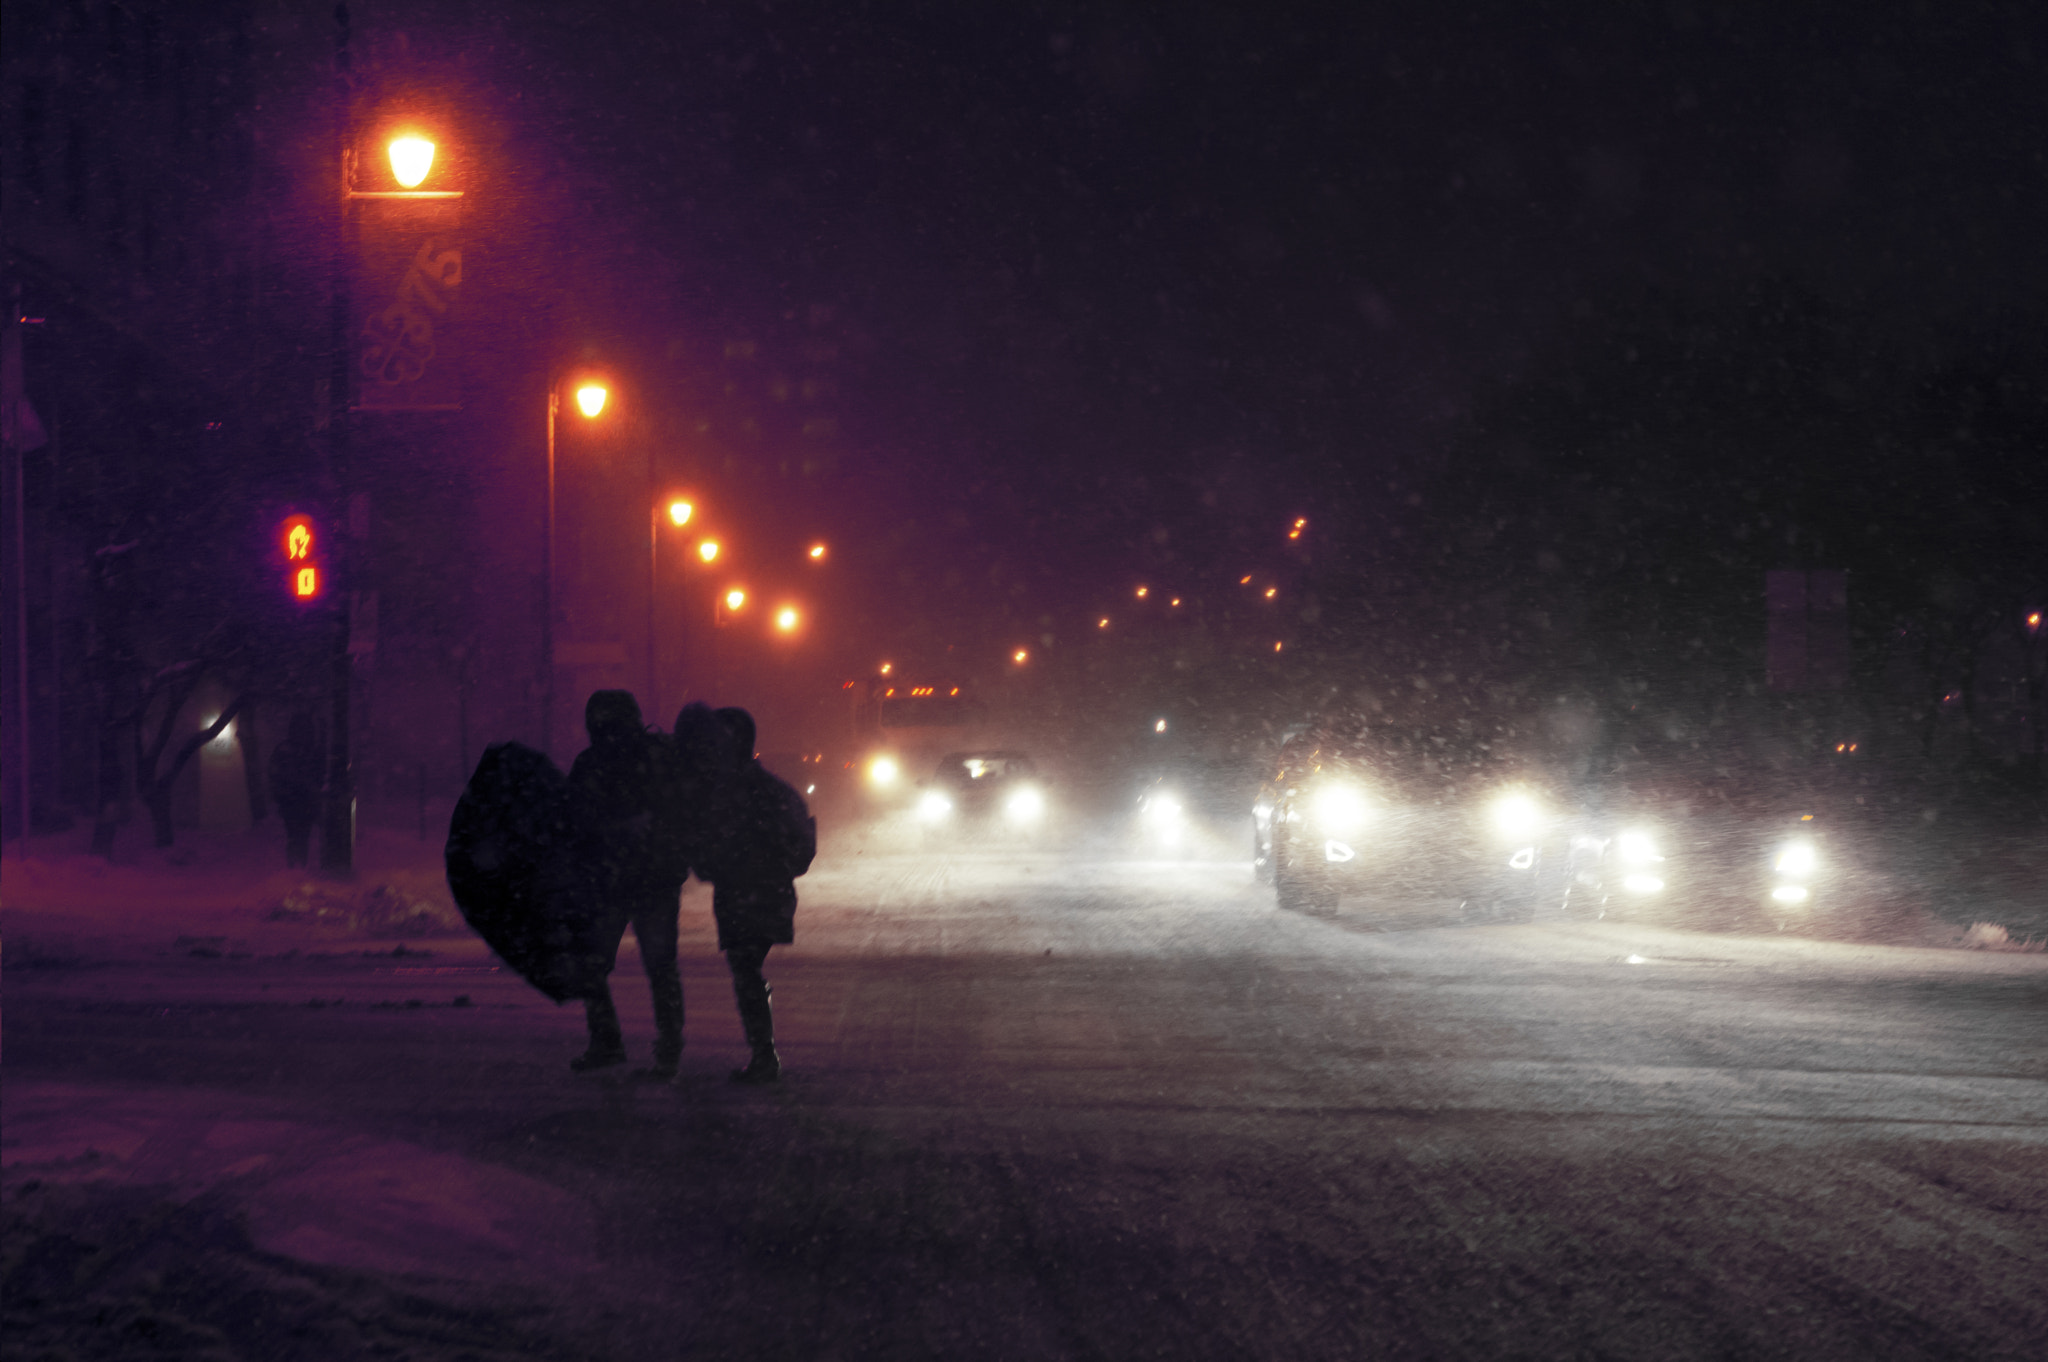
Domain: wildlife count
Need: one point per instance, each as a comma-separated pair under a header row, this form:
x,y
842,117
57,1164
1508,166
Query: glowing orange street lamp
x,y
888,667
817,553
735,598
1021,656
787,619
1143,591
708,550
411,159
590,398
679,513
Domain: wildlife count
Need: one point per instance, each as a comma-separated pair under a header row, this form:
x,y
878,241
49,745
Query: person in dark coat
x,y
758,838
295,780
620,784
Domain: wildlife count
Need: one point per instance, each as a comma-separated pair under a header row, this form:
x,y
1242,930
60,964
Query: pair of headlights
x,y
1023,806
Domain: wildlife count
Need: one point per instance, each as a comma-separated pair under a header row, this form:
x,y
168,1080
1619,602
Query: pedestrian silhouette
x,y
758,837
620,784
295,771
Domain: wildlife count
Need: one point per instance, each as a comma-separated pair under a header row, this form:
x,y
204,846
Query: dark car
x,y
995,792
1407,814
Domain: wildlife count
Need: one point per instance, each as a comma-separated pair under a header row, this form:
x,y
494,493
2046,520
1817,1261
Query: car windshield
x,y
967,769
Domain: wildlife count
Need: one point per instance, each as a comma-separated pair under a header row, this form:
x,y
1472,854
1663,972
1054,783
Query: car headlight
x,y
884,772
1162,810
1025,806
1636,848
1339,810
1517,816
934,807
1797,860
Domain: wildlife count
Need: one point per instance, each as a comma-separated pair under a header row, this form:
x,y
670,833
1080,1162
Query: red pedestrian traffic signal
x,y
303,576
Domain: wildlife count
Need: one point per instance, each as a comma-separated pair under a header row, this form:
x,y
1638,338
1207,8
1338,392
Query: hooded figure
x,y
758,838
620,783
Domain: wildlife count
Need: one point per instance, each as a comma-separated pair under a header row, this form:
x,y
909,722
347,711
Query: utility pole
x,y
338,827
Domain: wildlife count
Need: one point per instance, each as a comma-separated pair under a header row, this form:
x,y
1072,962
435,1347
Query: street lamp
x,y
411,159
590,398
679,513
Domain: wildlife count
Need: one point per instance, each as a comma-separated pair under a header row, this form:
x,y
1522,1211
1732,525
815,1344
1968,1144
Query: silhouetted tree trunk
x,y
154,782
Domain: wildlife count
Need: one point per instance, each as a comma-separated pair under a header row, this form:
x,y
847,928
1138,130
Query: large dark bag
x,y
521,861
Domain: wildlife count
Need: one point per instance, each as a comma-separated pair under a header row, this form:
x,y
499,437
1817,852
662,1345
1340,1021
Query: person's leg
x,y
600,1014
607,1042
757,1018
654,927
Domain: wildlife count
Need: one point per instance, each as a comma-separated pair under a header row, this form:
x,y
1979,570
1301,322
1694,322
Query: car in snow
x,y
992,793
1414,814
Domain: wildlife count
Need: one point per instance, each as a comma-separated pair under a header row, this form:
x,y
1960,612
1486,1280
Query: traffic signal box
x,y
305,577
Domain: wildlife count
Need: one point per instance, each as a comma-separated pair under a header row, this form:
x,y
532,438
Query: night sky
x,y
1268,256
1116,292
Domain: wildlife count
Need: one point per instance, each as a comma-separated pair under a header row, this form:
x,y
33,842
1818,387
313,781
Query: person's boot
x,y
607,1042
764,1067
757,1020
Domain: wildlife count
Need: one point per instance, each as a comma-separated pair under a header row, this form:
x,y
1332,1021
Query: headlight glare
x,y
1637,849
1162,810
883,771
1797,860
934,807
1516,815
1340,809
1025,806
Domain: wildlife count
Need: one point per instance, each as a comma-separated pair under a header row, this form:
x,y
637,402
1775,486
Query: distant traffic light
x,y
304,578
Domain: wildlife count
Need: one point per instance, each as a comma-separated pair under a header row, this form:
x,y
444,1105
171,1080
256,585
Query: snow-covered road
x,y
1036,1107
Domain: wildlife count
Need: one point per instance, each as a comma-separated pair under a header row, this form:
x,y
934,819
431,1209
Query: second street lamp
x,y
679,513
590,399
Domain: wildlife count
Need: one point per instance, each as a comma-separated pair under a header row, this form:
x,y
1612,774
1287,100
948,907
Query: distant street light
x,y
1021,656
735,598
787,619
817,553
708,550
590,398
679,513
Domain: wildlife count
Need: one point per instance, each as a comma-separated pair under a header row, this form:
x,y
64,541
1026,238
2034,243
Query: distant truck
x,y
901,732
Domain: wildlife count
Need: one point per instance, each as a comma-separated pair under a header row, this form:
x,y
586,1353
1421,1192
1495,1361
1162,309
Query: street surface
x,y
1033,1108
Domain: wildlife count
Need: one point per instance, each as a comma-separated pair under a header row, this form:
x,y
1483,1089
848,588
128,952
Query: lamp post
x,y
590,400
679,513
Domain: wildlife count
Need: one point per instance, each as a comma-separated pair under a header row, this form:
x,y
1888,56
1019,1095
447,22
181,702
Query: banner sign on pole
x,y
409,273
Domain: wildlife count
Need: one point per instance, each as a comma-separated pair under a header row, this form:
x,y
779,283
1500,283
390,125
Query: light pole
x,y
679,512
590,400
